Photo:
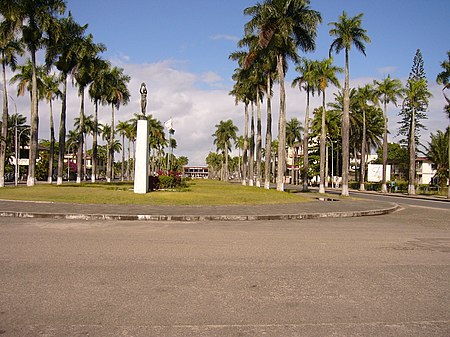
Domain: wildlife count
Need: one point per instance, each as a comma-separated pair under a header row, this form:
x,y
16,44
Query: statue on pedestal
x,y
143,91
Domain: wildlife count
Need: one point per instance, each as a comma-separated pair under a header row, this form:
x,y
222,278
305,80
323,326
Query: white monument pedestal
x,y
141,164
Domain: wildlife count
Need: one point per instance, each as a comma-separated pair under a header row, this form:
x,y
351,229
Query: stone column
x,y
141,164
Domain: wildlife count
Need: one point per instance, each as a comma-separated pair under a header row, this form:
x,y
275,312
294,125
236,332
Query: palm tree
x,y
308,81
97,92
325,73
225,132
117,95
241,92
348,32
388,91
444,78
83,72
239,144
51,92
437,151
122,128
293,137
283,26
62,51
130,133
37,18
10,47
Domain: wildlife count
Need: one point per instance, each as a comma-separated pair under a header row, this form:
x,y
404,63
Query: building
x,y
425,170
196,172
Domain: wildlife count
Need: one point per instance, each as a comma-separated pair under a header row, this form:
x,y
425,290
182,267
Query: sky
x,y
180,50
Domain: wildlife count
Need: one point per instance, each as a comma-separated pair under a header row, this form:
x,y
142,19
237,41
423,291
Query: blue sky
x,y
180,49
200,34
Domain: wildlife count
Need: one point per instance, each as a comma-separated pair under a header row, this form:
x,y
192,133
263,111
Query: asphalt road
x,y
372,276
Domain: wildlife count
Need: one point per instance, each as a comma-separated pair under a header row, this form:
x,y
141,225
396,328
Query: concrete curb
x,y
196,218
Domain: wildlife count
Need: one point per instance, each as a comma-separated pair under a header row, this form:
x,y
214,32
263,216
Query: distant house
x,y
425,170
196,172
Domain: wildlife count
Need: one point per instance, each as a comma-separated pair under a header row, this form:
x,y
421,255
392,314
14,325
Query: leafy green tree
x,y
388,91
325,73
437,151
443,78
308,81
283,27
294,130
224,134
415,105
214,161
347,32
122,128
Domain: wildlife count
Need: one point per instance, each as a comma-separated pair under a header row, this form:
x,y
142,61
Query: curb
x,y
196,218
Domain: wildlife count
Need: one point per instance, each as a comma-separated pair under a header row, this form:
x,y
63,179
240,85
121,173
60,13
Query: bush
x,y
170,180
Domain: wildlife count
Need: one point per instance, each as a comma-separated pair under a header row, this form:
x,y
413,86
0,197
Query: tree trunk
x,y
281,126
448,189
258,140
34,124
110,168
52,145
305,145
80,139
4,131
268,153
245,149
122,171
62,133
385,151
252,149
345,130
94,144
322,147
362,173
412,155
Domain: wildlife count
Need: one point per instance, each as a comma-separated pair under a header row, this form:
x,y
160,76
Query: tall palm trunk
x,y
52,145
268,153
385,150
362,173
4,131
258,140
251,170
94,144
129,161
322,147
122,172
305,145
345,130
245,148
80,139
281,126
412,154
110,166
34,123
62,133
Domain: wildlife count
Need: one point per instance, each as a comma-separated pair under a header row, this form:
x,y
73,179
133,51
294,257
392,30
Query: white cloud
x,y
225,37
196,110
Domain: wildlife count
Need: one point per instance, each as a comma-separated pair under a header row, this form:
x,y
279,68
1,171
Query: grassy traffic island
x,y
197,192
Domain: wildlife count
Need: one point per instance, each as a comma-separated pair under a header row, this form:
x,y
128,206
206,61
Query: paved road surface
x,y
373,276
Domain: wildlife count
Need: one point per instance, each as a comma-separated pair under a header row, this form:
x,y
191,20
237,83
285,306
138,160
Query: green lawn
x,y
198,192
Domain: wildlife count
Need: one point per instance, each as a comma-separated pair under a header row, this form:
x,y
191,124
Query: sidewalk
x,y
306,210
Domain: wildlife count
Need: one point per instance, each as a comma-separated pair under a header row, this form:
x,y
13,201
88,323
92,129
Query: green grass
x,y
198,192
